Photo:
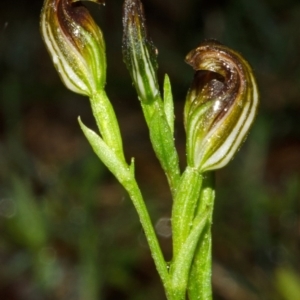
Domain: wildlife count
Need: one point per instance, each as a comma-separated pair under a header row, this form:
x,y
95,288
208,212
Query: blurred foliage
x,y
68,230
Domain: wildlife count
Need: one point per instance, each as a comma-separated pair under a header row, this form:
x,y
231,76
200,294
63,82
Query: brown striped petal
x,y
220,106
75,44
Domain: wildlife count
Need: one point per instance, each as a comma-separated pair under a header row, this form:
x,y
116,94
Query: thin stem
x,y
115,161
107,122
139,204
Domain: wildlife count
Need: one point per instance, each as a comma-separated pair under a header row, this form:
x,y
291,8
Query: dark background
x,y
68,229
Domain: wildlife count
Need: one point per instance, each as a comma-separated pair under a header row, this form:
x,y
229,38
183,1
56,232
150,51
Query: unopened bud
x,y
139,53
220,106
75,43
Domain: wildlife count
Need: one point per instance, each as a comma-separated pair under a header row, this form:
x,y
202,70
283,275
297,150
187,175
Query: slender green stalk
x,y
181,266
125,174
160,263
107,122
109,149
191,222
199,286
162,141
183,211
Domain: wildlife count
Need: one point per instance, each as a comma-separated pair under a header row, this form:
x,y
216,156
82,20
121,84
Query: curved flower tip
x,y
75,44
220,107
139,53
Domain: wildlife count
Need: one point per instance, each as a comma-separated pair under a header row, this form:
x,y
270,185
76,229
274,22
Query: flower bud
x,y
76,45
139,53
220,106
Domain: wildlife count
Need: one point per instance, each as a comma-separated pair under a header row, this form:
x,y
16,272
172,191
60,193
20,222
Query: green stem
x,y
181,266
160,263
183,211
199,286
107,122
110,151
162,140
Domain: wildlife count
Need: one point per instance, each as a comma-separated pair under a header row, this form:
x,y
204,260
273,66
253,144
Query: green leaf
x,y
163,144
168,103
106,154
